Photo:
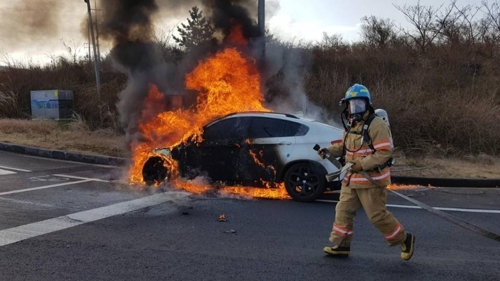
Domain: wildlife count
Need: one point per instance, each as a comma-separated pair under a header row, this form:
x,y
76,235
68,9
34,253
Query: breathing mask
x,y
356,108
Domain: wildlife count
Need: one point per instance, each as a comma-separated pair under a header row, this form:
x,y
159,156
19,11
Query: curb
x,y
117,161
63,155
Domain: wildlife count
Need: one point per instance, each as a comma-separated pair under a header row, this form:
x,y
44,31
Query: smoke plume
x,y
224,12
291,64
26,22
129,26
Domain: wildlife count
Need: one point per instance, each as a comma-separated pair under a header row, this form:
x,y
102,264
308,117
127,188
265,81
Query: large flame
x,y
227,82
406,187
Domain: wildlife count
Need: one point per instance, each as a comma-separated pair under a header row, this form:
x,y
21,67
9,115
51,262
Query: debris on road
x,y
222,218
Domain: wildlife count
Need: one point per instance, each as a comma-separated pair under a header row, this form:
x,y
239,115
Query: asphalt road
x,y
72,221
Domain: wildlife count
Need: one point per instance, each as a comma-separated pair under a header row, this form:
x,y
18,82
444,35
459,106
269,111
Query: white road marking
x,y
42,187
15,169
437,208
80,178
27,202
48,178
6,172
20,233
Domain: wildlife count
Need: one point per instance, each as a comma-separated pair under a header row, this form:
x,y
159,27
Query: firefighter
x,y
367,145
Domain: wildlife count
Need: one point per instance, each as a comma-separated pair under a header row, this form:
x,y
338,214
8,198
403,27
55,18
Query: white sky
x,y
294,20
307,20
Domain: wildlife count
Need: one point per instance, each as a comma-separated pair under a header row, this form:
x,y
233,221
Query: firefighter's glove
x,y
357,165
323,153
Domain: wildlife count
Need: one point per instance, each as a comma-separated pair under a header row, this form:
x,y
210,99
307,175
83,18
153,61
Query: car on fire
x,y
252,149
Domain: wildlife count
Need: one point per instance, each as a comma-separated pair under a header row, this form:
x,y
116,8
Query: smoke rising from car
x,y
292,64
129,26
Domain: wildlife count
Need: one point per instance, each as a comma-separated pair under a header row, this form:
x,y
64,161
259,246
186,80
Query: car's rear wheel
x,y
305,182
154,171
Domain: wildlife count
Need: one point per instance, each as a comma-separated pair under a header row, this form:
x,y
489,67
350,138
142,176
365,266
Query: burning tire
x,y
305,182
154,171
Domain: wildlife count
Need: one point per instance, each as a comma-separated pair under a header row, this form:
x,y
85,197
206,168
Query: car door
x,y
218,152
270,142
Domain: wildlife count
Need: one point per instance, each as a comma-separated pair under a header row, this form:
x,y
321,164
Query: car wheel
x,y
154,171
305,182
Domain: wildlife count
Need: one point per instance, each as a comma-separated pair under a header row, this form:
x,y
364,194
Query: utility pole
x,y
262,23
90,54
97,29
96,59
262,16
89,44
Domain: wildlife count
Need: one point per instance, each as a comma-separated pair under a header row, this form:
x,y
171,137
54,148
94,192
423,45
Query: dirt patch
x,y
479,167
72,137
77,137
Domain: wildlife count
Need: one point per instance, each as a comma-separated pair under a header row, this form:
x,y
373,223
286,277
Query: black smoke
x,y
224,13
26,22
129,26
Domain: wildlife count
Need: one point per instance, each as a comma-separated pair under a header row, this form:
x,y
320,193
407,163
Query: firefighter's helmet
x,y
357,91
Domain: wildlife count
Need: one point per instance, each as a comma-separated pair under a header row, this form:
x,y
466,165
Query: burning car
x,y
261,149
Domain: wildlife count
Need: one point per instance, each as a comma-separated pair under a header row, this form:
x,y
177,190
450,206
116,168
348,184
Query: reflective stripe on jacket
x,y
381,138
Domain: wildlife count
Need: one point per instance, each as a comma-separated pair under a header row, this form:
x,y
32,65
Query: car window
x,y
295,129
263,127
232,128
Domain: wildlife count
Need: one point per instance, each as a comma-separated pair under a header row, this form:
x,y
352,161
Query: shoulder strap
x,y
366,135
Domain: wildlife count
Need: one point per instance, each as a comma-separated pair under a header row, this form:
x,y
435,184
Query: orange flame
x,y
405,187
226,82
236,36
268,193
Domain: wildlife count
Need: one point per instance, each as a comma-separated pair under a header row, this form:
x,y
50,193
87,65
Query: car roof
x,y
261,113
278,115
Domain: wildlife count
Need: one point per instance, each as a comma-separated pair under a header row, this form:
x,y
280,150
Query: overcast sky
x,y
290,20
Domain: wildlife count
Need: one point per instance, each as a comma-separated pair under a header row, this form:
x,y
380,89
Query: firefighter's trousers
x,y
373,201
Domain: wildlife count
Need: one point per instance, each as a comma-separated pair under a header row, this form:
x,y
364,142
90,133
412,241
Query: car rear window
x,y
295,129
228,129
263,127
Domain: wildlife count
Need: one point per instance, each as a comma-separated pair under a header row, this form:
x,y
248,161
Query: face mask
x,y
357,106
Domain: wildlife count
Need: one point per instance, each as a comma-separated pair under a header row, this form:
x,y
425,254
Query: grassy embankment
x,y
442,95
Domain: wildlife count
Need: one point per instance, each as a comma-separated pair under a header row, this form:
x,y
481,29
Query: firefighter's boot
x,y
337,250
408,246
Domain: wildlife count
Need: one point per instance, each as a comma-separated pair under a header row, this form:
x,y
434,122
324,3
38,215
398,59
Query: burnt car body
x,y
254,148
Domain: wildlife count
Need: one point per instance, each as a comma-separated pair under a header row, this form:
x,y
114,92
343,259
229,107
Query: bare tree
x,y
334,41
423,18
377,32
469,27
489,27
450,28
493,13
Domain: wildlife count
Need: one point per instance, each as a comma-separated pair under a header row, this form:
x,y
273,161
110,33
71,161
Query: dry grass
x,y
444,103
472,167
77,137
74,136
434,100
